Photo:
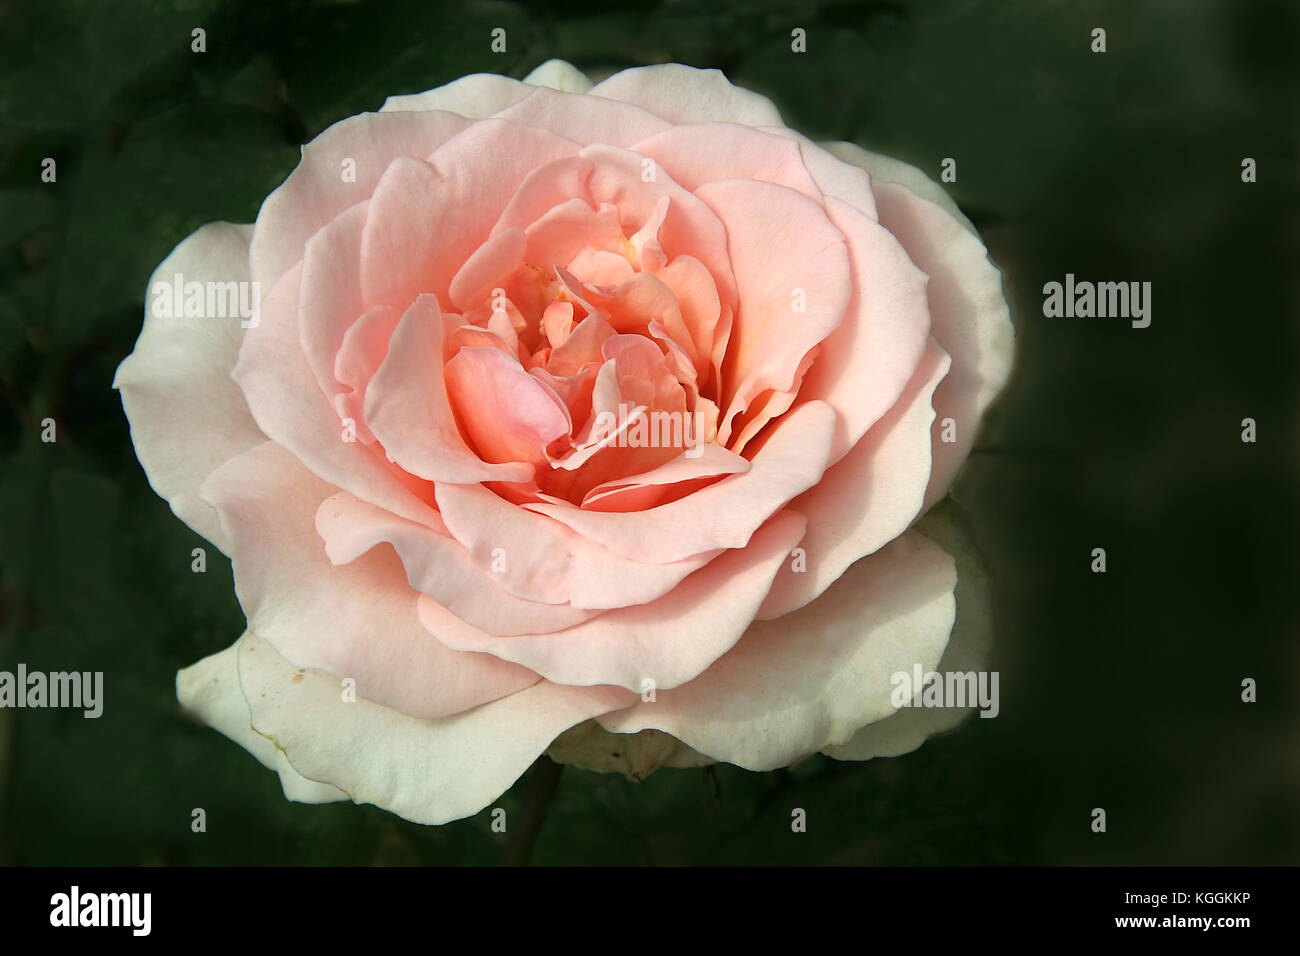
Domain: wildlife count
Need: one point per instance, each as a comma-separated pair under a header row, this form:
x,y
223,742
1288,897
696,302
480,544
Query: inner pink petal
x,y
506,413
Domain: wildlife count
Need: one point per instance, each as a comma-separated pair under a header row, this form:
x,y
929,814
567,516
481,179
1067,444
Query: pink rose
x,y
560,406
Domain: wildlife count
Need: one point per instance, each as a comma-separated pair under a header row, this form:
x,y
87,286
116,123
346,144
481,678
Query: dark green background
x,y
1119,690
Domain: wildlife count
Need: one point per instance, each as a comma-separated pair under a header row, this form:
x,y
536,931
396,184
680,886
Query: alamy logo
x,y
76,689
75,908
954,689
642,428
206,300
1126,300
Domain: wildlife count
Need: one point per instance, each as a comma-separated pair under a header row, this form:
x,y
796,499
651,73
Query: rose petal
x,y
690,225
770,404
408,408
646,490
487,268
969,317
699,304
427,771
698,154
583,118
969,649
886,169
771,700
288,406
475,96
209,689
869,497
549,185
186,415
725,514
400,250
438,565
684,94
364,346
339,168
403,253
834,176
785,253
509,415
667,642
555,238
539,559
559,75
867,361
355,621
330,296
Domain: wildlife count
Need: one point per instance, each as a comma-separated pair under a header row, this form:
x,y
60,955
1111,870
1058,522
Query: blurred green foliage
x,y
1119,690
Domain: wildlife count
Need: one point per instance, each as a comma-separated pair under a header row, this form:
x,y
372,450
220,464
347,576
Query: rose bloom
x,y
583,419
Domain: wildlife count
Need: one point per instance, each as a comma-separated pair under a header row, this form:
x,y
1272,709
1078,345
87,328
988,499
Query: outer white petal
x,y
476,96
559,75
684,94
886,169
969,649
969,317
809,680
210,691
426,770
187,416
